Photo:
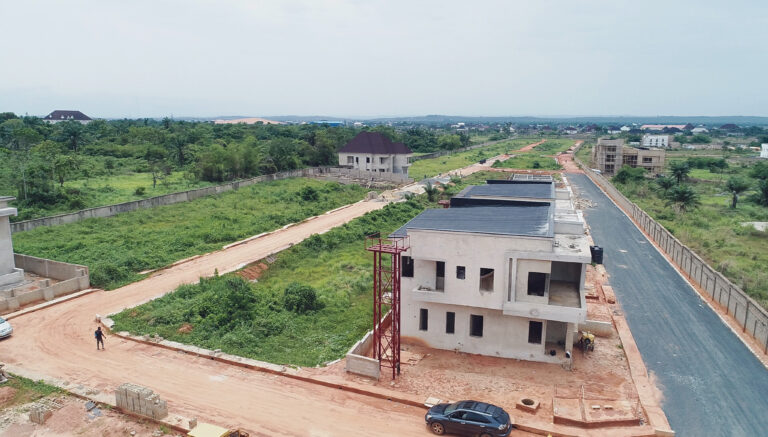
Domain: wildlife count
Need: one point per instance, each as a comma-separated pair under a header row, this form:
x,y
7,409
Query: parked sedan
x,y
5,328
469,418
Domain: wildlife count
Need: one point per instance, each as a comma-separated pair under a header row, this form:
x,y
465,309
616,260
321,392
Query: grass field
x,y
251,320
442,164
117,248
122,188
713,229
538,158
28,390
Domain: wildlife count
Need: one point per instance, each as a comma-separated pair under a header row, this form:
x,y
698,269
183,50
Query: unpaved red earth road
x,y
57,342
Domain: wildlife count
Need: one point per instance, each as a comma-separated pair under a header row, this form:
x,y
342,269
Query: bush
x,y
309,194
627,174
140,191
301,298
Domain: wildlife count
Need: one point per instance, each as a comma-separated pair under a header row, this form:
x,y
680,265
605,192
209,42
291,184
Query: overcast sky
x,y
384,58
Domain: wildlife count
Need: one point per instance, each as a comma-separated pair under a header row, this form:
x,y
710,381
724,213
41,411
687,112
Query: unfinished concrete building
x,y
9,274
609,155
500,273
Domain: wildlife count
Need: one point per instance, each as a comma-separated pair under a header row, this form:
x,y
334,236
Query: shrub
x,y
300,298
309,194
140,191
627,174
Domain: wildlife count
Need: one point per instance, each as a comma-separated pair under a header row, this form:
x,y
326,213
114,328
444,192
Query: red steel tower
x,y
386,297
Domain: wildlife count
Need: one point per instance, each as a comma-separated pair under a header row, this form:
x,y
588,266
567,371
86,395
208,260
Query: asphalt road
x,y
712,384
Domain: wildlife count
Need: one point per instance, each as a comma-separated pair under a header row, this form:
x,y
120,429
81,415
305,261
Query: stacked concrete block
x,y
39,414
140,400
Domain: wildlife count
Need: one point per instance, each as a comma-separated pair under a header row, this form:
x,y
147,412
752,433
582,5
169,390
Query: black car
x,y
469,418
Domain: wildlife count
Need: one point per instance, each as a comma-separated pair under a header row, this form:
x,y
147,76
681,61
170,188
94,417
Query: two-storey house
x,y
372,151
501,273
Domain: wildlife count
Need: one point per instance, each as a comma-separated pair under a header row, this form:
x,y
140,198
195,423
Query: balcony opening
x,y
564,284
440,275
486,279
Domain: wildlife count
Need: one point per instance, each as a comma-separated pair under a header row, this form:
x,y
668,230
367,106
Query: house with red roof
x,y
372,151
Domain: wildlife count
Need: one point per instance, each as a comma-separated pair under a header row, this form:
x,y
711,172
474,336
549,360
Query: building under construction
x,y
609,155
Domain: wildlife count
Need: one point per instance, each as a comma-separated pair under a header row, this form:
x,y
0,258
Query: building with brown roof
x,y
372,151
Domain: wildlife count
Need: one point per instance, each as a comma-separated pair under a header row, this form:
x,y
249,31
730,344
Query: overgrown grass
x,y
585,153
28,390
442,164
251,320
540,157
117,248
714,230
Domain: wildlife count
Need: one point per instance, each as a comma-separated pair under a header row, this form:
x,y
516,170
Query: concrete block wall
x,y
71,277
357,359
752,317
185,196
140,400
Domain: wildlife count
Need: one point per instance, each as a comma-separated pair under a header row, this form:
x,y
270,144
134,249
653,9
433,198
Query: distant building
x,y
650,140
625,129
610,155
661,127
764,151
372,151
700,130
250,120
59,116
332,123
614,130
570,130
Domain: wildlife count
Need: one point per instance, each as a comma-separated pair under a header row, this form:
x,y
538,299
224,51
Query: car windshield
x,y
451,408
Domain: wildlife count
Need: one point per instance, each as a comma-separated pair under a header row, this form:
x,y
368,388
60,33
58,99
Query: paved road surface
x,y
712,384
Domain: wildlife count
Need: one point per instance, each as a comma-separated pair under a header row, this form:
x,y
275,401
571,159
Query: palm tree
x,y
736,186
679,170
665,183
762,192
431,191
683,198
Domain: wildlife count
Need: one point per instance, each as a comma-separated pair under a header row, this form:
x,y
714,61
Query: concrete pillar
x,y
9,274
570,332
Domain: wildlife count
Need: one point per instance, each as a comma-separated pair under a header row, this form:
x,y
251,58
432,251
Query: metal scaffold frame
x,y
386,293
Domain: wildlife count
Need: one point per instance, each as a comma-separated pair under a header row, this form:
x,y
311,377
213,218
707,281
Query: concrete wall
x,y
393,163
752,318
358,360
71,277
185,196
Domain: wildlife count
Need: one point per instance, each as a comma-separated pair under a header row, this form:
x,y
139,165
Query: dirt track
x,y
58,342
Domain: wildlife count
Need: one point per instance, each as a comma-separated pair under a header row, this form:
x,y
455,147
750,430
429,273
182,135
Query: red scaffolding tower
x,y
386,296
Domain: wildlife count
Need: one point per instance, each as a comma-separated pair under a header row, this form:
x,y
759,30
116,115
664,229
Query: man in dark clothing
x,y
99,334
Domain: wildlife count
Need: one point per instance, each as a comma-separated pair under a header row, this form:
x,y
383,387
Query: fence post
x,y
746,316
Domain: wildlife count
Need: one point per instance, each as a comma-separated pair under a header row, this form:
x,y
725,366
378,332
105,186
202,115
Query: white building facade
x,y
497,280
657,140
764,151
372,151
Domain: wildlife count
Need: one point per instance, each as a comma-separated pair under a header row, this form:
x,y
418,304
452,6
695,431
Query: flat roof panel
x,y
532,220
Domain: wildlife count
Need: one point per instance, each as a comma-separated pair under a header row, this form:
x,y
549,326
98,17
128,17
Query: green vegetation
x,y
585,154
117,248
442,164
309,307
67,166
28,390
541,157
703,201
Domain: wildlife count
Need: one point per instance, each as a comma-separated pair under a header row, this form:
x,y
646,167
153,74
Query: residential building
x,y
764,150
651,140
668,127
625,128
501,273
372,151
249,120
610,155
700,130
59,116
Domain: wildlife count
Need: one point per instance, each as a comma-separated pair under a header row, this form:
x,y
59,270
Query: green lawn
x,y
117,248
442,164
251,319
541,157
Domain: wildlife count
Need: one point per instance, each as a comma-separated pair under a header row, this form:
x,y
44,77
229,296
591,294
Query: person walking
x,y
99,334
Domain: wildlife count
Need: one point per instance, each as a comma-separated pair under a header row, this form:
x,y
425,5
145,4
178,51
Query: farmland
x,y
117,249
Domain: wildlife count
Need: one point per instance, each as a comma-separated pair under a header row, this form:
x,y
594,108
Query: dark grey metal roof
x,y
532,220
534,190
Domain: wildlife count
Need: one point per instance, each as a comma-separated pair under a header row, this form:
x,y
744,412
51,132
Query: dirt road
x,y
58,342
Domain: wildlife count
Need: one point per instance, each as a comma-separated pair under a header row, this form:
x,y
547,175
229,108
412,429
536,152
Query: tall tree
x,y
683,198
679,170
736,186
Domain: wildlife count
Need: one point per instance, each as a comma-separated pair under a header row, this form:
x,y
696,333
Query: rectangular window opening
x,y
407,268
534,332
475,325
439,275
450,322
461,272
423,319
537,283
486,279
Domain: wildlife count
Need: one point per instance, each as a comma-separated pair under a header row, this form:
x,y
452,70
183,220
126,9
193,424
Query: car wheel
x,y
485,434
437,428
